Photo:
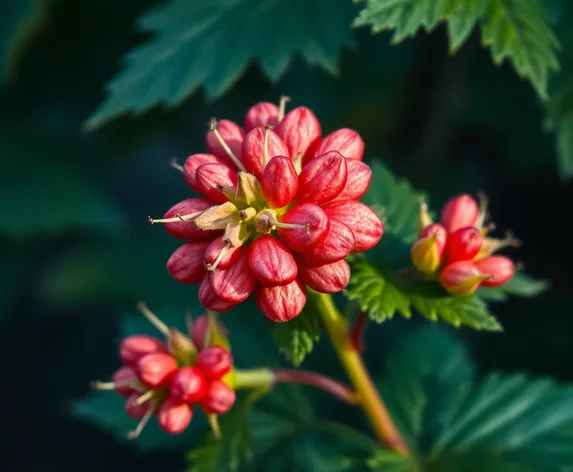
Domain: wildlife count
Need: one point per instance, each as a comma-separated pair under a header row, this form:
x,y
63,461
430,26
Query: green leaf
x,y
514,29
381,295
560,105
509,423
234,446
388,461
424,375
520,284
20,21
106,409
519,31
397,200
296,337
204,43
529,420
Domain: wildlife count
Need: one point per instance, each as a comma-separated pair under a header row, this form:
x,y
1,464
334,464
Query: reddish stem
x,y
357,332
341,391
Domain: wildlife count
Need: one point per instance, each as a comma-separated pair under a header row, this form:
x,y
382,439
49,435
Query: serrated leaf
x,y
516,30
381,295
529,420
427,371
204,43
296,337
520,284
520,32
509,423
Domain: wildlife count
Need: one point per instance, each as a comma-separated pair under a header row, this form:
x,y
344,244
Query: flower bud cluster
x,y
279,212
168,379
458,251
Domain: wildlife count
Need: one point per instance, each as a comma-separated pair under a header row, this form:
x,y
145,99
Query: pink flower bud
x,y
254,151
220,398
155,370
200,329
338,243
232,134
193,162
214,250
359,176
279,182
314,222
209,300
187,229
328,278
461,278
428,250
300,131
186,263
459,212
500,269
214,362
361,219
209,179
464,244
136,346
346,141
262,114
271,262
188,384
136,411
235,283
282,302
322,179
174,416
122,375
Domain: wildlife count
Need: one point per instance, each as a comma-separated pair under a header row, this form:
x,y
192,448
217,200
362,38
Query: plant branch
x,y
266,378
369,398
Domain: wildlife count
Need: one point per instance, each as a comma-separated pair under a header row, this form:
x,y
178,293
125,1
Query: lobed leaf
x,y
204,43
516,30
296,337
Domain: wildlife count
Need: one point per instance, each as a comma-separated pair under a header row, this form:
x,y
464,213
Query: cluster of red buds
x,y
169,378
458,251
279,212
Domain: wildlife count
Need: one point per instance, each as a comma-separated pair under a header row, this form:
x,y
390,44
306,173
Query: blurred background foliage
x,y
77,251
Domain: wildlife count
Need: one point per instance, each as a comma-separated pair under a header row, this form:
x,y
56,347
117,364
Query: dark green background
x,y
449,124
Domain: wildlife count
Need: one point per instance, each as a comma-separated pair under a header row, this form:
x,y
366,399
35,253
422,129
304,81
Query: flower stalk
x,y
368,397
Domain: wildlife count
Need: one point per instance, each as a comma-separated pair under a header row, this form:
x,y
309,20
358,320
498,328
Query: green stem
x,y
368,396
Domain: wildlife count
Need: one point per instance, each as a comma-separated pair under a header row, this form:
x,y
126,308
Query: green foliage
x,y
296,337
501,423
387,461
384,282
228,453
281,433
513,29
204,43
521,285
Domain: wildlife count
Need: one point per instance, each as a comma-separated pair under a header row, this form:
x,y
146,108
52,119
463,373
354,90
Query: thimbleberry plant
x,y
278,215
284,218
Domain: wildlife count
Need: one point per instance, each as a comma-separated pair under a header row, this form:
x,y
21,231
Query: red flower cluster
x,y
280,212
168,379
458,249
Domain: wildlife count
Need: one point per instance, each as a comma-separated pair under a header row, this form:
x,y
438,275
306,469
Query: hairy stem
x,y
368,397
